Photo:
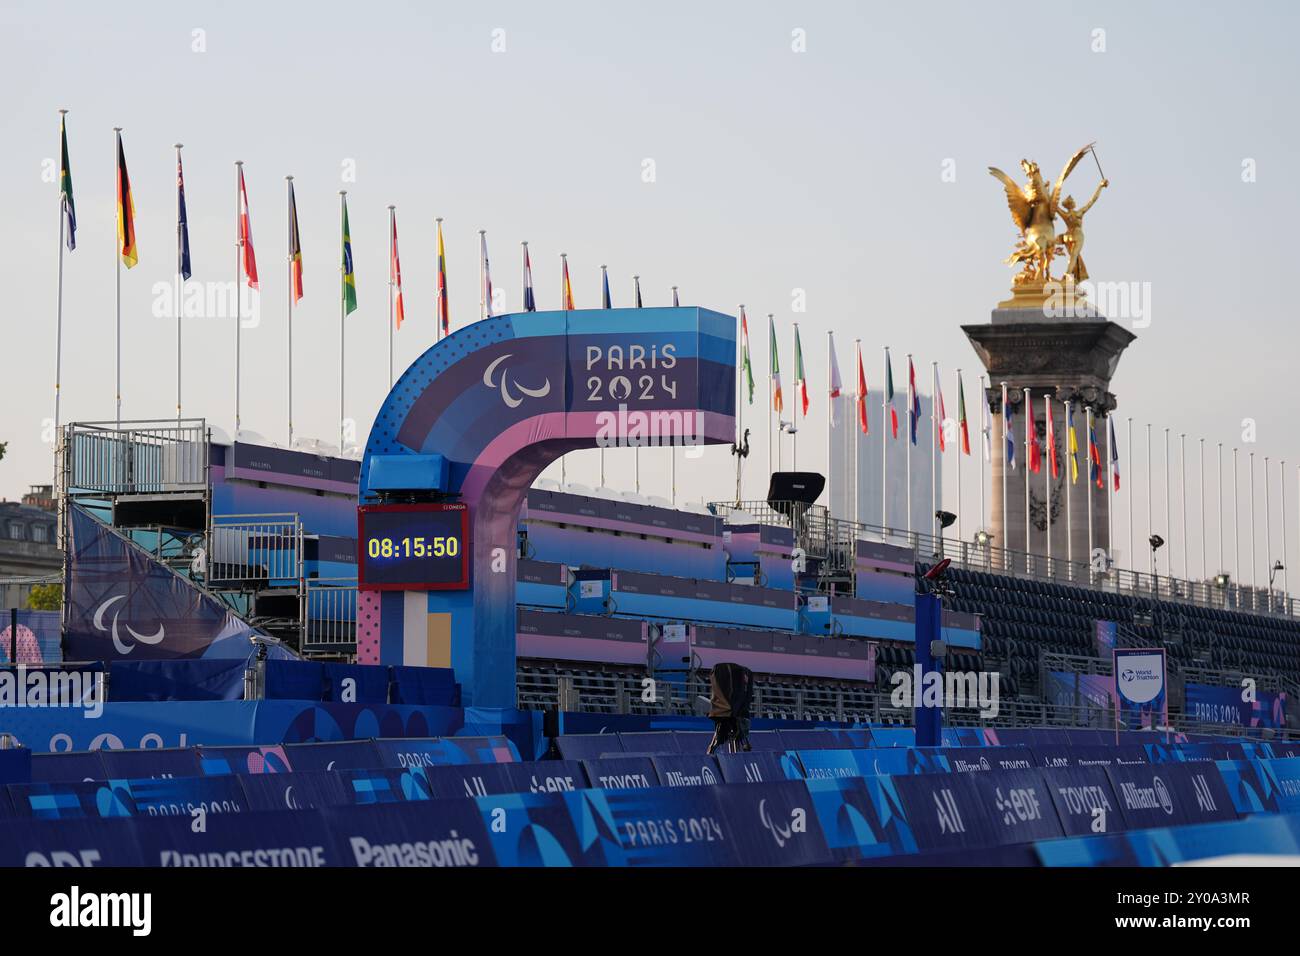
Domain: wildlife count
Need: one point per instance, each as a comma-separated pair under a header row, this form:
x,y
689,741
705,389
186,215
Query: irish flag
x,y
800,380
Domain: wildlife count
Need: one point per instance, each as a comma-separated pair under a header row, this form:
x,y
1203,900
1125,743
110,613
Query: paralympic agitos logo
x,y
506,383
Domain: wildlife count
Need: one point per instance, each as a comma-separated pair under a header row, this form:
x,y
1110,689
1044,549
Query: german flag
x,y
125,210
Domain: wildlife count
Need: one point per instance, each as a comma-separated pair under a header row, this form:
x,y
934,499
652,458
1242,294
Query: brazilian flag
x,y
349,278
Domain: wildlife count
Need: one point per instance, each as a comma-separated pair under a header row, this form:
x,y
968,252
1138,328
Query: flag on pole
x,y
395,276
835,380
1051,443
889,395
914,400
1094,457
605,302
943,417
1073,440
1008,431
637,281
182,223
65,191
675,302
530,301
567,288
961,418
487,274
774,364
444,314
295,245
862,392
800,380
349,277
1114,451
1035,449
746,366
125,211
246,234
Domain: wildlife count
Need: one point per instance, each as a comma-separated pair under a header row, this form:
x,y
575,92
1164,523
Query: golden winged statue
x,y
1034,212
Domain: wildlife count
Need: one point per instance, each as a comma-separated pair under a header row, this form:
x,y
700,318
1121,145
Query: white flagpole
x,y
984,411
239,276
1219,484
1047,482
392,221
857,432
960,395
830,404
1028,458
179,281
117,258
1268,532
935,530
1201,465
482,286
58,305
884,448
1150,516
740,401
1281,497
1069,480
1169,514
911,405
771,335
1088,423
799,384
1182,497
343,193
1110,490
1006,463
1236,515
1254,559
288,225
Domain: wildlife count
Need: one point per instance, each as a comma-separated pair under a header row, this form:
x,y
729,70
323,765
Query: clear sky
x,y
776,170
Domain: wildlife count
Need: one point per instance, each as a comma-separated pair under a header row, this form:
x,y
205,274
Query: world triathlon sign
x,y
473,422
1140,688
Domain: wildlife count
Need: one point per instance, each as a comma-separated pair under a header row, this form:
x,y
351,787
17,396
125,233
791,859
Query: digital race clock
x,y
413,547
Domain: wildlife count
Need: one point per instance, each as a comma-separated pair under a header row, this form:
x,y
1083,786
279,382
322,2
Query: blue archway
x,y
481,413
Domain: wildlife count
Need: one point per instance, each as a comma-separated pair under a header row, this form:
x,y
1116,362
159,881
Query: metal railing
x,y
330,616
135,457
255,550
834,540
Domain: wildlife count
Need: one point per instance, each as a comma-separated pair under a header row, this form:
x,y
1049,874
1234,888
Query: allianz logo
x,y
705,778
1083,800
1154,797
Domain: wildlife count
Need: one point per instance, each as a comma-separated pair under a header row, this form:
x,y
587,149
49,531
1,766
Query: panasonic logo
x,y
455,851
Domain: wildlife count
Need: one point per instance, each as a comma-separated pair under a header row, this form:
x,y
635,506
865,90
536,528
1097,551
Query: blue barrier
x,y
621,773
61,768
861,817
159,762
424,686
1170,794
355,683
650,742
216,761
178,680
246,839
163,796
294,791
755,767
443,833
588,746
773,824
294,680
537,829
15,766
1084,799
663,827
72,843
1018,805
945,811
687,770
468,780
337,755
546,776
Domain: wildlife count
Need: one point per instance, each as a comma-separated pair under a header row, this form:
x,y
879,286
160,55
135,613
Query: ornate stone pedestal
x,y
1037,340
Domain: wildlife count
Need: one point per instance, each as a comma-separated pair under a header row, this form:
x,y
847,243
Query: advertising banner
x,y
753,767
1235,706
274,839
861,817
1084,799
621,773
447,833
294,791
685,770
80,843
946,811
1140,688
663,827
1018,805
773,824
